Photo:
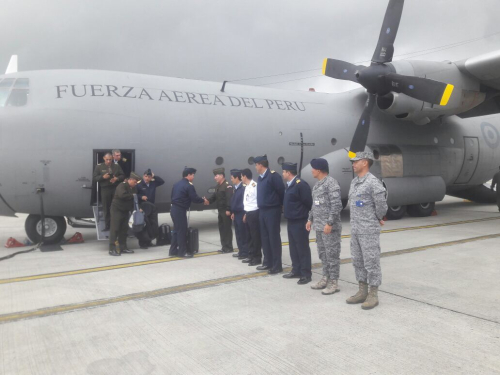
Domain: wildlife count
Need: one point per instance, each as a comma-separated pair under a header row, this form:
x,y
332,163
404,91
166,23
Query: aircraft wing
x,y
485,68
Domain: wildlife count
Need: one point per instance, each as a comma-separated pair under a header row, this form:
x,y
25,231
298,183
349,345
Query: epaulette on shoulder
x,y
254,184
273,172
244,185
227,183
124,160
298,181
190,183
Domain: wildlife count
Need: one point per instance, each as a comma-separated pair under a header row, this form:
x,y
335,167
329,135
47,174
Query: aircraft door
x,y
471,158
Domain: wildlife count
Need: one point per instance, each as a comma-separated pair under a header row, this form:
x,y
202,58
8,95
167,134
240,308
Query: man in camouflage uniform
x,y
108,175
368,205
324,218
223,194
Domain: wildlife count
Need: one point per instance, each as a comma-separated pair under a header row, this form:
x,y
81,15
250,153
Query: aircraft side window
x,y
5,86
18,98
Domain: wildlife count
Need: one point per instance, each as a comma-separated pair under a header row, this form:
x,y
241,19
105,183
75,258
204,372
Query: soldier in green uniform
x,y
223,194
123,204
108,175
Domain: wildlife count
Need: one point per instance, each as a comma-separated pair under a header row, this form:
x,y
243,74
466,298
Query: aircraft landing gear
x,y
55,228
421,210
395,212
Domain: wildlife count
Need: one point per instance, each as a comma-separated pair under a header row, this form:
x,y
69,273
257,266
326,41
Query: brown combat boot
x,y
331,287
360,296
320,284
372,299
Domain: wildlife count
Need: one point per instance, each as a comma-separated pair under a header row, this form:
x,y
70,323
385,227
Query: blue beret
x,y
189,170
258,159
320,164
289,167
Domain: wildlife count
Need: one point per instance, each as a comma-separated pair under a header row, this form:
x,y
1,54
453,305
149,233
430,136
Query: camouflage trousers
x,y
329,253
365,253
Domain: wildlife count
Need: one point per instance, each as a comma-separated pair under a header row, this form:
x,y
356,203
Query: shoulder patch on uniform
x,y
273,172
254,184
190,183
227,183
298,181
244,185
229,186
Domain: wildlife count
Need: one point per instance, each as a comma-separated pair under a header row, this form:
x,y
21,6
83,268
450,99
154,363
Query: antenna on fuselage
x,y
12,67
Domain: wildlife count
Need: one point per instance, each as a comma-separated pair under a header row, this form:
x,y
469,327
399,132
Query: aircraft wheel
x,y
395,212
421,210
55,228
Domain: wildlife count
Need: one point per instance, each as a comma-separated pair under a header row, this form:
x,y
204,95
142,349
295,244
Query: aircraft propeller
x,y
380,79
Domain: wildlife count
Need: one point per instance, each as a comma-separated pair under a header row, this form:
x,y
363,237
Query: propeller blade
x,y
361,134
385,46
424,89
340,69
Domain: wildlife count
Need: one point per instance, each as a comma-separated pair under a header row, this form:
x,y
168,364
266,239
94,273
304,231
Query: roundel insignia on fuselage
x,y
490,134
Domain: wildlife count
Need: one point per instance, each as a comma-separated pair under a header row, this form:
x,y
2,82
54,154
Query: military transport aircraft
x,y
56,124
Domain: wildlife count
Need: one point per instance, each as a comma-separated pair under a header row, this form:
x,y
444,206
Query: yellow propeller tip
x,y
447,94
352,155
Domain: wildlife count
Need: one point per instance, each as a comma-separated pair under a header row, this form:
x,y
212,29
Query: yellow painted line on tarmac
x,y
9,318
200,255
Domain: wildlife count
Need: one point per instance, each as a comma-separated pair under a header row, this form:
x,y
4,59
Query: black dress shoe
x,y
236,255
262,268
291,275
143,247
114,253
242,257
274,272
246,260
304,280
254,263
127,251
184,256
227,251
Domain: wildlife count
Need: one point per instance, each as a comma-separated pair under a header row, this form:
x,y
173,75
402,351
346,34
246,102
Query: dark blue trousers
x,y
271,239
241,231
179,233
300,252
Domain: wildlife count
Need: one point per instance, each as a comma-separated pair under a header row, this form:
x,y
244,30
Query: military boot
x,y
331,287
372,299
361,295
320,284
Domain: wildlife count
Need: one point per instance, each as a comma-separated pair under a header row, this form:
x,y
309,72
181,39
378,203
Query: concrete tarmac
x,y
80,311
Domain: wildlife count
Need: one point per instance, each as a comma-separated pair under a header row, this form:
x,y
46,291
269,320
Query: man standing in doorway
x,y
108,176
122,162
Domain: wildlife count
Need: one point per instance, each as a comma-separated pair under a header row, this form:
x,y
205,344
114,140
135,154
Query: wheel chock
x,y
434,213
77,238
12,242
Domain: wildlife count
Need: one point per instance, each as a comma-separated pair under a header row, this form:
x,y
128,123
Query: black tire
x,y
395,212
56,232
421,210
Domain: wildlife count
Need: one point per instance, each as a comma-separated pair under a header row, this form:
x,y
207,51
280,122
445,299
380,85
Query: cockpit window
x,y
14,92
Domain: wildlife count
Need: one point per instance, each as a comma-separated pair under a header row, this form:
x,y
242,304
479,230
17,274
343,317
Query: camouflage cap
x,y
363,155
134,176
218,171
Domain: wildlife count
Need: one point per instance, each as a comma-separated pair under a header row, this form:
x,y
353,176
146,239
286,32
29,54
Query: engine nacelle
x,y
465,96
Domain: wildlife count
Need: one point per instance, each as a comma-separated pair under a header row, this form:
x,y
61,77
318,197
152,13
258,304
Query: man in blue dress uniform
x,y
270,192
237,214
297,204
183,193
146,189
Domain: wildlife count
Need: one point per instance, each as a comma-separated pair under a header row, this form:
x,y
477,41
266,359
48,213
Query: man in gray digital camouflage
x,y
368,205
324,218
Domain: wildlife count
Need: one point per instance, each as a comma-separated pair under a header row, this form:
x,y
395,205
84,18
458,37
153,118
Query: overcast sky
x,y
220,40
